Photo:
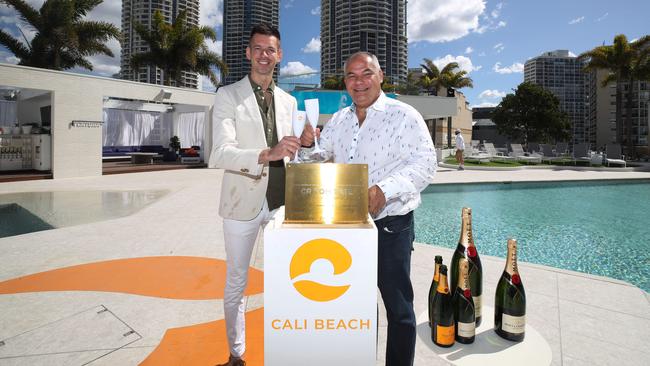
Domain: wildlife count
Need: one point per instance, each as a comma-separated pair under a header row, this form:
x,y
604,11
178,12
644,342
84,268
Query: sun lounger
x,y
522,156
581,153
494,155
614,155
548,155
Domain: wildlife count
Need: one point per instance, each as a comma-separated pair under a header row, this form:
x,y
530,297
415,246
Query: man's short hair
x,y
373,58
265,29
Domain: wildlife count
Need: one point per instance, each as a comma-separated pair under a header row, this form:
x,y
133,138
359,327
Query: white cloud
x,y
104,65
289,4
315,11
8,57
571,54
211,13
491,94
491,21
496,11
464,63
517,67
482,54
484,104
499,47
602,17
313,46
295,68
215,47
469,50
442,20
577,20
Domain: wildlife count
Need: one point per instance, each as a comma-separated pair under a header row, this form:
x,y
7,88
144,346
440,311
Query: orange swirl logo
x,y
306,255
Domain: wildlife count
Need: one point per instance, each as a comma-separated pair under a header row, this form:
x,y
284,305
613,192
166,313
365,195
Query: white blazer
x,y
238,139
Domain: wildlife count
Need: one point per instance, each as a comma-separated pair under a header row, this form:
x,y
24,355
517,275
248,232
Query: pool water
x,y
601,228
22,213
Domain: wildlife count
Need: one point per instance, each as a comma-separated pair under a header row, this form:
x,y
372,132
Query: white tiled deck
x,y
586,320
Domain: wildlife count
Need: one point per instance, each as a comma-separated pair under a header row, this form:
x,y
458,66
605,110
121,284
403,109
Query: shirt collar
x,y
257,88
379,104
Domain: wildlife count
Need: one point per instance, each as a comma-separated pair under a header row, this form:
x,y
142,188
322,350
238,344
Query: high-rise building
x,y
239,17
562,75
142,11
379,27
604,113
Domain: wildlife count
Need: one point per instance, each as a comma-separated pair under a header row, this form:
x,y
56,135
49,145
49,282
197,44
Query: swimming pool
x,y
600,227
27,212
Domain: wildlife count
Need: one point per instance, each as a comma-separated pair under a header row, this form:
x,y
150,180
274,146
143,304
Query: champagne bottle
x,y
442,324
434,285
510,300
466,249
464,315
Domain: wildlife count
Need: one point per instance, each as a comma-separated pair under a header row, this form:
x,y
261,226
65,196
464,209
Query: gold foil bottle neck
x,y
443,287
463,274
511,259
466,237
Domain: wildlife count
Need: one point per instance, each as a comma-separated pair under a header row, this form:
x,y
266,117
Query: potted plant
x,y
174,147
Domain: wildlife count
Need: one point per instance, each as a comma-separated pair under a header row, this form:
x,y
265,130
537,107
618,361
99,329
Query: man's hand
x,y
288,147
376,200
308,135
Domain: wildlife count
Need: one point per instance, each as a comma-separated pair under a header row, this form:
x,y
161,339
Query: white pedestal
x,y
320,294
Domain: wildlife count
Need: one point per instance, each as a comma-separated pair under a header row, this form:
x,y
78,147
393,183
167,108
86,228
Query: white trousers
x,y
239,237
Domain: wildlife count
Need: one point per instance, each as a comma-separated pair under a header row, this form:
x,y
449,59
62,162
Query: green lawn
x,y
509,164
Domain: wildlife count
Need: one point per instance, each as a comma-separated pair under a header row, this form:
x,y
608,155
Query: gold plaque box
x,y
326,194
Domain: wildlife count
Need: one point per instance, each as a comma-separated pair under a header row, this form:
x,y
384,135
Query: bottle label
x,y
513,324
466,330
445,335
477,305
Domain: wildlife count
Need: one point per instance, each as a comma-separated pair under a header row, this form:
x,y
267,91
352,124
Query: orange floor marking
x,y
172,277
206,344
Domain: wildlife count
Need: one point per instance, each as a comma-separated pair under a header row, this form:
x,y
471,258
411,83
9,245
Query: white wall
x,y
77,151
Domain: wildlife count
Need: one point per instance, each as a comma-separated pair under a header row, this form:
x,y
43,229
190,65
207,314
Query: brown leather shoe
x,y
234,361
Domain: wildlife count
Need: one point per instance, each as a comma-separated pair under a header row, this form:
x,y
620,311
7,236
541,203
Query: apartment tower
x,y
239,17
562,75
379,27
142,11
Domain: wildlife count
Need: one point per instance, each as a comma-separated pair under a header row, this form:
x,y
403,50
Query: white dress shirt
x,y
395,143
460,142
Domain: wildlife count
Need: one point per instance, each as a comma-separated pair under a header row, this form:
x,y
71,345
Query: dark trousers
x,y
396,236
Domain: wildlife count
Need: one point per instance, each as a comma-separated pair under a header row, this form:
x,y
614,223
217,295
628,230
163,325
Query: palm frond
x,y
27,13
14,45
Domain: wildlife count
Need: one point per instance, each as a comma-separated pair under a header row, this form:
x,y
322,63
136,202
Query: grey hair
x,y
373,59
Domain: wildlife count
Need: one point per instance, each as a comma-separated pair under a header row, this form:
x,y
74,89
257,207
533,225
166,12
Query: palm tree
x,y
63,39
626,62
177,47
434,79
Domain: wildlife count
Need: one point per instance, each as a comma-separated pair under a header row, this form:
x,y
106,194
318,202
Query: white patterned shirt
x,y
395,143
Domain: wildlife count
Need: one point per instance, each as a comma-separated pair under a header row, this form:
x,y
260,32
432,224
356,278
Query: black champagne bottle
x,y
442,324
434,285
464,315
510,300
466,249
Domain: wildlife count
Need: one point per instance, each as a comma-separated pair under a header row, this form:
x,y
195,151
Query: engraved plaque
x,y
326,194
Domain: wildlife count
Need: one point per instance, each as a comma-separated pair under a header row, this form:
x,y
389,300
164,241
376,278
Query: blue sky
x,y
490,39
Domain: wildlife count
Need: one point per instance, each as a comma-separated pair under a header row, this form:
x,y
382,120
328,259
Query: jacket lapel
x,y
283,114
247,96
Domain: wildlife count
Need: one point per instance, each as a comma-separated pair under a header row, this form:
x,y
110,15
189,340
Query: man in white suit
x,y
252,140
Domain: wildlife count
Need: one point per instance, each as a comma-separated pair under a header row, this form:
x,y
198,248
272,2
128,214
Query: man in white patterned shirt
x,y
392,138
